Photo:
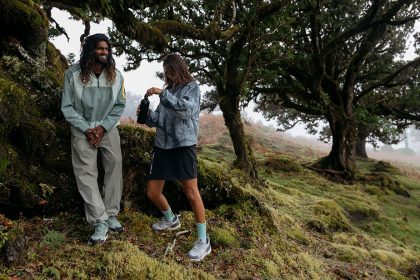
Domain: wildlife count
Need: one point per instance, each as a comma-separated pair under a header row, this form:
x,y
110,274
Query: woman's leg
x,y
154,193
201,248
190,188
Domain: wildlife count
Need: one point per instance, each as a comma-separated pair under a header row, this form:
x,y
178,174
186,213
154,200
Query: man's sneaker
x,y
200,250
114,225
100,234
164,224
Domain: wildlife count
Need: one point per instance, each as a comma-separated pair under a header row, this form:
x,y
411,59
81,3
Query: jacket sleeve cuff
x,y
106,126
164,94
83,127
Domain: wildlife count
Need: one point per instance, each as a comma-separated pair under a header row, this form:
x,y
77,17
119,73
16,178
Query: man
x,y
92,102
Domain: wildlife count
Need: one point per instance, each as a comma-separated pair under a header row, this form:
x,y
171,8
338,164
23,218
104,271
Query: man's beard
x,y
102,59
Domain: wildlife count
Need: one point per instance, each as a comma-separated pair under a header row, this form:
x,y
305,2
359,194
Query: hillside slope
x,y
293,224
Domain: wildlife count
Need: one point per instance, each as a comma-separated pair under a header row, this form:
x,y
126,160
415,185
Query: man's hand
x,y
153,90
99,132
94,135
90,135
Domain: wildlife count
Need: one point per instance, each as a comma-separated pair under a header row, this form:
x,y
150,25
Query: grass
x,y
298,225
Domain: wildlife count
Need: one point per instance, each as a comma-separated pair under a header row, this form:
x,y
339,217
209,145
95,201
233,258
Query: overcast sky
x,y
139,80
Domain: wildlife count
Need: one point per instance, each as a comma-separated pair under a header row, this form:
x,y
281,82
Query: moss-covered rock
x,y
14,105
328,217
224,237
13,242
215,183
36,174
383,166
348,253
387,183
362,212
283,164
27,23
137,147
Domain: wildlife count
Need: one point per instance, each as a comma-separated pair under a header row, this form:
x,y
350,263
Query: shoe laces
x,y
197,246
163,220
101,228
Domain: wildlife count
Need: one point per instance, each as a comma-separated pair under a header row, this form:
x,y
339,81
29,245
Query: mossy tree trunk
x,y
229,104
230,88
341,157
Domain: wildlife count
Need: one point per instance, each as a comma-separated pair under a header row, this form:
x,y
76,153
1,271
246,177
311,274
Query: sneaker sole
x,y
168,229
202,257
98,243
116,230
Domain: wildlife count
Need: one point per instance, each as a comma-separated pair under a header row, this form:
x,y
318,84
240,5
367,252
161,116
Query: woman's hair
x,y
87,58
175,71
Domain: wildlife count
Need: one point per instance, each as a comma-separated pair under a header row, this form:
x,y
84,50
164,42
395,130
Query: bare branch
x,y
86,31
60,29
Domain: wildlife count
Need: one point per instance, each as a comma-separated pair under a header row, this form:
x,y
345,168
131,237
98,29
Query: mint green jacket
x,y
93,104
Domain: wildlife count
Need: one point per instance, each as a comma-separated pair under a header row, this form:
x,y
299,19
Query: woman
x,y
174,156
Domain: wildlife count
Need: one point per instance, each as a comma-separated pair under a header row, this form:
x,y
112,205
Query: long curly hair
x,y
175,71
87,59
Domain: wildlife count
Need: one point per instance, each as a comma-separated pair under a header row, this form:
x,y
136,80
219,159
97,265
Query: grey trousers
x,y
98,207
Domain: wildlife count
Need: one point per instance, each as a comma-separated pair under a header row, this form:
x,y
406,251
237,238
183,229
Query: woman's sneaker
x,y
200,250
114,225
164,224
100,235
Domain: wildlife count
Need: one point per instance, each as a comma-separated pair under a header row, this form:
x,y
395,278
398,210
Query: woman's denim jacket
x,y
176,117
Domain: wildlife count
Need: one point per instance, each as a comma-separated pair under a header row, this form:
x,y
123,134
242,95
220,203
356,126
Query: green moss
x,y
391,258
126,261
299,236
31,22
223,237
327,216
373,190
53,238
299,266
383,175
283,164
14,105
346,238
272,268
51,272
383,166
56,65
360,210
394,274
218,184
348,253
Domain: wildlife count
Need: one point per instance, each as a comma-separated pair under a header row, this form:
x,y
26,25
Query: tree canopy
x,y
338,64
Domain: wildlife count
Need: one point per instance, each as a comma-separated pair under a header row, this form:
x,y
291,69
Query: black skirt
x,y
173,164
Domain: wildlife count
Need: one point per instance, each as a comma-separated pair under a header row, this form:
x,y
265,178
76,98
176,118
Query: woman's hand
x,y
153,90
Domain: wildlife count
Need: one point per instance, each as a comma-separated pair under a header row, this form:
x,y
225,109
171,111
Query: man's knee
x,y
114,162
